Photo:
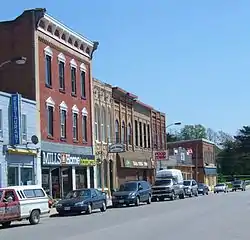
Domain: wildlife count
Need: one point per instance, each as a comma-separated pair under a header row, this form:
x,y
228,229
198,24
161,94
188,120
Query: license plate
x,y
121,201
67,208
200,190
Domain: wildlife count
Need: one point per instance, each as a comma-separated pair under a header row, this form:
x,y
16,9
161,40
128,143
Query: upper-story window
x,y
117,132
48,60
97,121
123,133
50,105
1,123
136,133
145,135
149,136
129,134
103,124
61,70
24,127
75,112
109,121
84,125
83,80
140,133
63,119
73,76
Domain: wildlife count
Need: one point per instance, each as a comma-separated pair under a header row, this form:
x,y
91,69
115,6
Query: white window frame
x,y
75,128
83,69
49,103
48,52
61,59
63,107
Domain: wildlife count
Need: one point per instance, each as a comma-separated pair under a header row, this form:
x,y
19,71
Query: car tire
x,y
161,199
89,209
149,200
206,193
6,224
172,198
182,196
104,207
137,201
34,217
153,199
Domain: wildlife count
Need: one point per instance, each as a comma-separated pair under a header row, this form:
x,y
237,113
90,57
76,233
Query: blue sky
x,y
189,59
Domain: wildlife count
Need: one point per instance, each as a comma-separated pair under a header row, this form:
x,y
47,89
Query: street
x,y
216,216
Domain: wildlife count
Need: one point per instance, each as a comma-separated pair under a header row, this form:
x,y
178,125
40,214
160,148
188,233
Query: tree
x,y
191,132
172,137
223,138
212,135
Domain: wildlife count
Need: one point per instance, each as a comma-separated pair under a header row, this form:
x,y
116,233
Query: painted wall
x,y
28,108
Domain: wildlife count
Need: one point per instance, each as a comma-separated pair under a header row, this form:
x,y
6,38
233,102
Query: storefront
x,y
19,167
62,172
134,166
210,176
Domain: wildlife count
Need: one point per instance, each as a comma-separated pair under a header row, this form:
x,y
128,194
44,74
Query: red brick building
x,y
203,159
57,75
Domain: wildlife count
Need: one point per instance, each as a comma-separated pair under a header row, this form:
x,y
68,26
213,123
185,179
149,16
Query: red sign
x,y
160,155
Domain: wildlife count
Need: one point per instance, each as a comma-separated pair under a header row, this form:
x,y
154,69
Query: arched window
x,y
117,132
129,134
109,120
97,120
123,133
103,124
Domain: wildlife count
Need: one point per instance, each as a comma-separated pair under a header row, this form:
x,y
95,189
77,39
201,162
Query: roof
x,y
122,91
193,140
22,187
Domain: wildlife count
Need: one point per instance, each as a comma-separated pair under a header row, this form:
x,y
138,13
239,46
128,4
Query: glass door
x,y
13,176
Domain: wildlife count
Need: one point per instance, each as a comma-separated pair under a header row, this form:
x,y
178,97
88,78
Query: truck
x,y
168,185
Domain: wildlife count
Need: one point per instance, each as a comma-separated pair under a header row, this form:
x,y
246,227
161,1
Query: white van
x,y
22,202
170,173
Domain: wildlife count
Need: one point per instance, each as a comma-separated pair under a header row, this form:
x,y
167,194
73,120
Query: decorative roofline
x,y
122,91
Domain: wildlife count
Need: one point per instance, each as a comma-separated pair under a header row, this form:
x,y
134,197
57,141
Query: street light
x,y
173,124
17,60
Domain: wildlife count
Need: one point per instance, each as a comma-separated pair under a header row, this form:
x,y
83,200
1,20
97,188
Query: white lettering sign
x,y
49,158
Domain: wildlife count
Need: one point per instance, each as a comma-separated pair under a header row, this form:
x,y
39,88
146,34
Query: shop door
x,y
66,185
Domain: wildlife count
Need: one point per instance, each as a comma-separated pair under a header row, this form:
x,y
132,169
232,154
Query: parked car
x,y
203,189
190,188
22,202
132,192
82,200
168,184
238,185
221,187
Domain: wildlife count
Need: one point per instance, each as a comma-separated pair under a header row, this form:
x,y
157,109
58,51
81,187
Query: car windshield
x,y
129,186
186,183
201,185
220,185
1,193
237,182
162,182
79,194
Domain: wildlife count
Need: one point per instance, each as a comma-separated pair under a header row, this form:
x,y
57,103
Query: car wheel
x,y
172,198
89,209
196,194
191,194
104,207
182,196
153,199
206,193
34,217
161,199
137,201
6,224
149,200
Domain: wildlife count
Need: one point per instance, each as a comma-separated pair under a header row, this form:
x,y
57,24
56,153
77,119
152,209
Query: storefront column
x,y
108,178
88,177
73,178
95,176
102,175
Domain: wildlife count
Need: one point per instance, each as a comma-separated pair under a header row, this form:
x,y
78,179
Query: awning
x,y
136,160
210,171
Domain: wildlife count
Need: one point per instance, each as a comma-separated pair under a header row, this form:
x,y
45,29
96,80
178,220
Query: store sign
x,y
160,155
50,158
16,119
135,164
117,148
87,162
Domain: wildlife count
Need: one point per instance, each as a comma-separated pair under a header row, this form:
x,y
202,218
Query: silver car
x,y
221,187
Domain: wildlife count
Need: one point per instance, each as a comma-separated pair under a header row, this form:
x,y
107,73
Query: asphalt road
x,y
217,216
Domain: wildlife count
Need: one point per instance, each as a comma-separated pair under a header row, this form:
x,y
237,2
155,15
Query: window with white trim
x,y
63,115
73,76
24,127
75,126
50,105
61,75
1,123
48,59
109,120
84,128
97,119
83,84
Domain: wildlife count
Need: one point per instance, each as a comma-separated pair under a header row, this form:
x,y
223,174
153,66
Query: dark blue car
x,y
82,200
132,192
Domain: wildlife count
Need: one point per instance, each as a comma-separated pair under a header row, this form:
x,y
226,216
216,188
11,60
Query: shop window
x,y
50,120
91,172
13,176
81,178
75,126
117,132
136,133
24,127
63,115
26,176
105,169
1,123
129,134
